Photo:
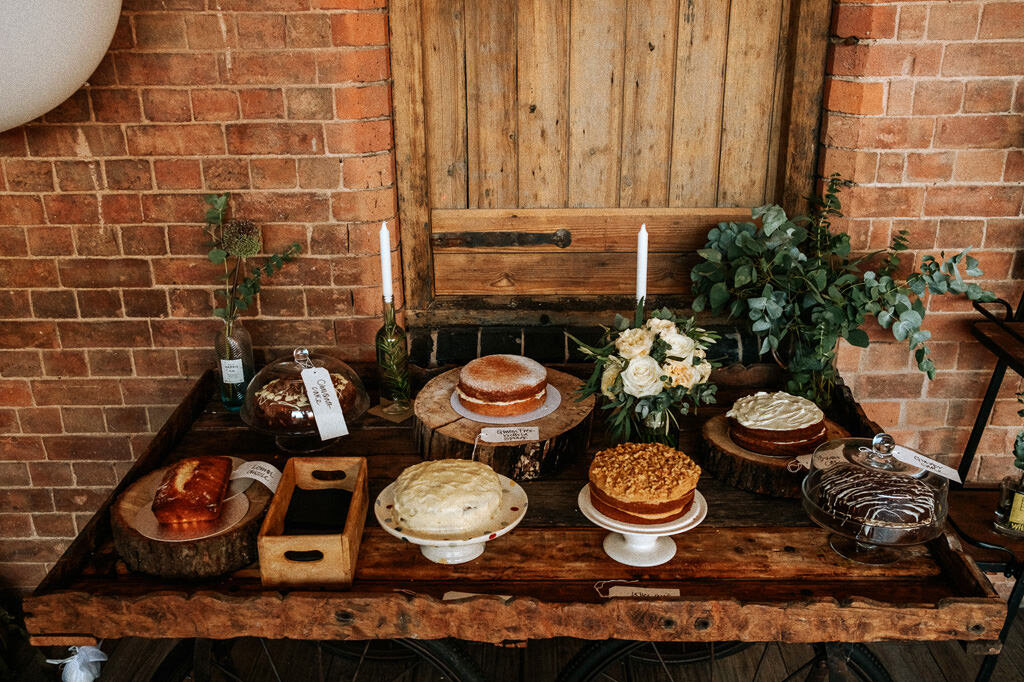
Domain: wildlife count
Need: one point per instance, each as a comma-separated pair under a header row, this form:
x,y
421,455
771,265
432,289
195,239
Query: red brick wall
x,y
105,294
924,112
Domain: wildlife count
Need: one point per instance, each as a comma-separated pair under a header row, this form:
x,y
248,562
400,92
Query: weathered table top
x,y
755,570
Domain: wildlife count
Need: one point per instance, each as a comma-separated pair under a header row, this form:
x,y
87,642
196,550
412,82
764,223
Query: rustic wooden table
x,y
755,570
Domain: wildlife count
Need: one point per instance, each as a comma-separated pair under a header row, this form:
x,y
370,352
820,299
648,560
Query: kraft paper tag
x,y
267,474
630,591
826,460
509,434
330,421
450,596
914,459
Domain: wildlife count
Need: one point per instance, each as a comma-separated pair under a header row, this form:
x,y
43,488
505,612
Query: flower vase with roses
x,y
650,372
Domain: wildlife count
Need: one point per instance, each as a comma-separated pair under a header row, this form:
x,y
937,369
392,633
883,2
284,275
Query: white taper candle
x,y
385,262
641,263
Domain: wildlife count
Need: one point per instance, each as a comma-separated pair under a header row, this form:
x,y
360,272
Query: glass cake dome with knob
x,y
873,498
276,402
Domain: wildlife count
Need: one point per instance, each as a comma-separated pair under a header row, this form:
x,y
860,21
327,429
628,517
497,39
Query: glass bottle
x,y
233,346
393,363
1010,512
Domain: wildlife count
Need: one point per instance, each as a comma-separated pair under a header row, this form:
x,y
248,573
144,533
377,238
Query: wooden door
x,y
517,119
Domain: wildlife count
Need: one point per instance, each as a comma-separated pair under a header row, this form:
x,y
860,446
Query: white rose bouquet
x,y
651,373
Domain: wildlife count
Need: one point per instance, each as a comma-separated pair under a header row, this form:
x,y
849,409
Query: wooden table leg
x,y
202,660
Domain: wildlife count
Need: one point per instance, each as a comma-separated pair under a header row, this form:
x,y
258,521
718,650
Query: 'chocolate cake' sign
x,y
330,421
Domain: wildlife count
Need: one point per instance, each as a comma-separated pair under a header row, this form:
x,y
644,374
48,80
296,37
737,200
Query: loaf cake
x,y
851,493
447,496
644,483
192,490
502,385
776,424
283,404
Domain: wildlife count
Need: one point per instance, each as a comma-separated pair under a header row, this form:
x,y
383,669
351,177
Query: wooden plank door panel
x,y
444,76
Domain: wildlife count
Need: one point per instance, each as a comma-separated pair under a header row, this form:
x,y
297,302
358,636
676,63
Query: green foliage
x,y
239,240
797,286
392,358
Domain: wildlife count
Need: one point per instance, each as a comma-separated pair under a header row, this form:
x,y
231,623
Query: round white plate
x,y
554,399
640,544
234,509
456,548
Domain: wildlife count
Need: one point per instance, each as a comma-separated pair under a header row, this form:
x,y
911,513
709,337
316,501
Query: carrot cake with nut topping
x,y
643,483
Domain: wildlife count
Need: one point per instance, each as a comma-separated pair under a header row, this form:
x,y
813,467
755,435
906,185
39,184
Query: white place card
x,y
330,421
231,371
267,474
914,459
630,591
509,434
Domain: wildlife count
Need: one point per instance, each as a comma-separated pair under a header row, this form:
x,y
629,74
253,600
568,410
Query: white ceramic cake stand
x,y
456,548
642,545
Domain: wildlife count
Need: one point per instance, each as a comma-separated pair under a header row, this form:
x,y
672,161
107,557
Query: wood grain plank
x,y
670,230
647,103
780,104
500,272
410,151
749,92
543,63
491,103
809,44
699,89
444,76
596,54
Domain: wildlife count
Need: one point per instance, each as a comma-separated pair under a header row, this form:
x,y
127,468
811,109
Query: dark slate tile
x,y
421,346
457,345
500,340
544,344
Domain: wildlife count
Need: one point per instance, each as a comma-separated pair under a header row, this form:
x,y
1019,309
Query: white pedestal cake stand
x,y
642,545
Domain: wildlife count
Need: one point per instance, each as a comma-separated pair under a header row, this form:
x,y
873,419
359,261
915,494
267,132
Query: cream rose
x,y
704,369
642,377
680,346
634,343
684,374
608,376
662,327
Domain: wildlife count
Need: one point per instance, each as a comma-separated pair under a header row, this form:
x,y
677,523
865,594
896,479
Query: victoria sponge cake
x,y
502,385
447,496
643,483
776,424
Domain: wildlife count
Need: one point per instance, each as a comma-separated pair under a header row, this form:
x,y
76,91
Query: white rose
x,y
704,369
634,343
680,346
608,376
684,374
662,327
642,377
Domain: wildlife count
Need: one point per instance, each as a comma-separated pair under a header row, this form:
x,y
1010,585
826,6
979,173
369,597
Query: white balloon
x,y
48,49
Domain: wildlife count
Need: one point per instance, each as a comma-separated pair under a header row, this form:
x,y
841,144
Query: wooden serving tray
x,y
756,569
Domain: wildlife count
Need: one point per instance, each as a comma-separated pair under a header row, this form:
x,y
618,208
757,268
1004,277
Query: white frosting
x,y
775,411
447,496
467,399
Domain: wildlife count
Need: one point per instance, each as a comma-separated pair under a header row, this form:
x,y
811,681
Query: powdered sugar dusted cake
x,y
776,424
447,496
502,385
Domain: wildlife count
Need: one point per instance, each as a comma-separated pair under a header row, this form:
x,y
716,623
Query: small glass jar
x,y
233,347
1010,512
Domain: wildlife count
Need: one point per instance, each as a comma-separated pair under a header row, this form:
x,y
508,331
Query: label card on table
x,y
509,434
330,421
914,459
630,591
267,474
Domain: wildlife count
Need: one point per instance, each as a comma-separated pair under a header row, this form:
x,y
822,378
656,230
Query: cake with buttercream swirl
x,y
447,496
776,424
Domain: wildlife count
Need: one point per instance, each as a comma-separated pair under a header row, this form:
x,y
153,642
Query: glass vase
x,y
393,363
1010,512
233,346
653,429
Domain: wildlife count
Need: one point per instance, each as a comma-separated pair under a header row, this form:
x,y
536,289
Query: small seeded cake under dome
x,y
873,502
276,402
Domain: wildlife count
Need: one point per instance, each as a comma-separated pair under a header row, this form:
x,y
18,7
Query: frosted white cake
x,y
447,496
775,412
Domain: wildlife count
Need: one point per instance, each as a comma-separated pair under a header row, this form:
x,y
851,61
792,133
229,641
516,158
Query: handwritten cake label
x,y
454,595
509,434
630,591
330,421
267,474
826,460
231,372
915,459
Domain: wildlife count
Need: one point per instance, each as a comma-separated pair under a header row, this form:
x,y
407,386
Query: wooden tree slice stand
x,y
746,470
442,433
202,558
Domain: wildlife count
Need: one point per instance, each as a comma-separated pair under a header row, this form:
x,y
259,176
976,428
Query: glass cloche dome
x,y
276,402
873,502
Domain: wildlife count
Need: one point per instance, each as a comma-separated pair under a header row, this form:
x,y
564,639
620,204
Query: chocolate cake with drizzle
x,y
856,494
